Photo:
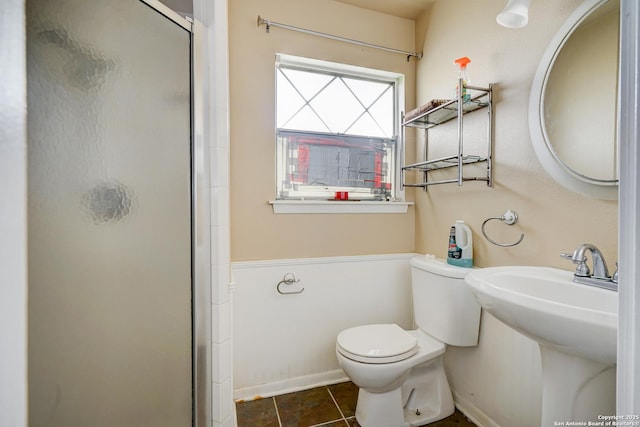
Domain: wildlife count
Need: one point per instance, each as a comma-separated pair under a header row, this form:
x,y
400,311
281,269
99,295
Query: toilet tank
x,y
443,304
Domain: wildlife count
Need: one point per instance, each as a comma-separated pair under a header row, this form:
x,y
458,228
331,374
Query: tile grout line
x,y
326,423
275,405
329,422
342,417
337,406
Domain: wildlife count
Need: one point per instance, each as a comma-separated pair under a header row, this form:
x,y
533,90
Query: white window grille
x,y
337,130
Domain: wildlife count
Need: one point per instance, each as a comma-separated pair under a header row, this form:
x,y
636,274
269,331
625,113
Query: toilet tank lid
x,y
439,266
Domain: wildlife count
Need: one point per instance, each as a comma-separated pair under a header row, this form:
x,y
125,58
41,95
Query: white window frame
x,y
311,205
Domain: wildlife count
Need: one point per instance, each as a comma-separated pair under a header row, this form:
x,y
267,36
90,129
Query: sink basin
x,y
575,326
546,305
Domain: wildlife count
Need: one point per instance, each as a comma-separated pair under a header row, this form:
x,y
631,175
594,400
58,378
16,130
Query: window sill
x,y
337,207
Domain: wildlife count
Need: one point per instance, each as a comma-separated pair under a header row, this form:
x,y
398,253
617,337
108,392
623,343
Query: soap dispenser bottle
x,y
460,250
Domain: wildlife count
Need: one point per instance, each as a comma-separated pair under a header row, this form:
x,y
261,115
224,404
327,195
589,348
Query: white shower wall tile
x,y
224,241
215,254
224,213
214,203
219,155
222,403
221,323
220,284
219,205
220,243
227,399
221,363
229,422
216,402
221,369
220,166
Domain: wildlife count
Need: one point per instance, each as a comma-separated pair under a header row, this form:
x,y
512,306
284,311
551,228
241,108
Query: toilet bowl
x,y
400,373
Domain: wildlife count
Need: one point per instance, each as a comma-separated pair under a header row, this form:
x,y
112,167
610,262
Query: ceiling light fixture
x,y
515,14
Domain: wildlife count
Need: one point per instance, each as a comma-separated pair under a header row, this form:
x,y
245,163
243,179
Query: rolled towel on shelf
x,y
434,103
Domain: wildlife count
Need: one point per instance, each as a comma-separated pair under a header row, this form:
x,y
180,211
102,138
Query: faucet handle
x,y
573,257
582,268
614,278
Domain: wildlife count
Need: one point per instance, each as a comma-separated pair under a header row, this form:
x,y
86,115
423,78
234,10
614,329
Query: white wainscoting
x,y
285,343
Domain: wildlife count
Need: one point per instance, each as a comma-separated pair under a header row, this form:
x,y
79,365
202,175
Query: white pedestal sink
x,y
575,326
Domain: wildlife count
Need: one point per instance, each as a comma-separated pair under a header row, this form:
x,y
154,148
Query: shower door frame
x,y
200,221
14,268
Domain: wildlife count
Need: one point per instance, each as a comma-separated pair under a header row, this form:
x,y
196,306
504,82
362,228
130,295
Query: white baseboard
x,y
290,385
472,412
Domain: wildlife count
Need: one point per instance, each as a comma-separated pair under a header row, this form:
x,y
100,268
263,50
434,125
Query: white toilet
x,y
400,373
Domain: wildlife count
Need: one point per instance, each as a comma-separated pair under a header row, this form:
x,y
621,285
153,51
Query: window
x,y
337,130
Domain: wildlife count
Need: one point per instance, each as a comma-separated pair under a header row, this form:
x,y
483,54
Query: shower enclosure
x,y
115,261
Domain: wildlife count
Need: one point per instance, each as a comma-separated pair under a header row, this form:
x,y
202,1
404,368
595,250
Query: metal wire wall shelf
x,y
438,112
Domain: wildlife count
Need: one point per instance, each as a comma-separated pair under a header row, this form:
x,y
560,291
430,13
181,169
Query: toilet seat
x,y
385,343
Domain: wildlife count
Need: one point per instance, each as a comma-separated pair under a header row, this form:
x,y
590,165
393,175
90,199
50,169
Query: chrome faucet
x,y
600,276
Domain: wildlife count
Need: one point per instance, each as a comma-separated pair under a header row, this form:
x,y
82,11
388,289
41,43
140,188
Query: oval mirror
x,y
574,99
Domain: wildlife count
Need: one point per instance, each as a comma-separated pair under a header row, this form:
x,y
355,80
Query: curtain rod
x,y
268,24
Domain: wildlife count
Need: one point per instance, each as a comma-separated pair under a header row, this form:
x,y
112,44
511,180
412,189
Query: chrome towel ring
x,y
510,217
288,279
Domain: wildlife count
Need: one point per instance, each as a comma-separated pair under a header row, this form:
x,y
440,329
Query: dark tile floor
x,y
327,406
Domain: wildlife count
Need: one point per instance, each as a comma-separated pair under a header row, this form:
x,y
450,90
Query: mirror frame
x,y
564,175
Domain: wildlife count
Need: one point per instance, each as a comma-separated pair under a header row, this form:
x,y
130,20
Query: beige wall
x,y
553,219
499,382
256,232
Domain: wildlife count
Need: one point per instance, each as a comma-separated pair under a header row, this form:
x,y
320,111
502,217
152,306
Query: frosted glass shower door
x,y
109,136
